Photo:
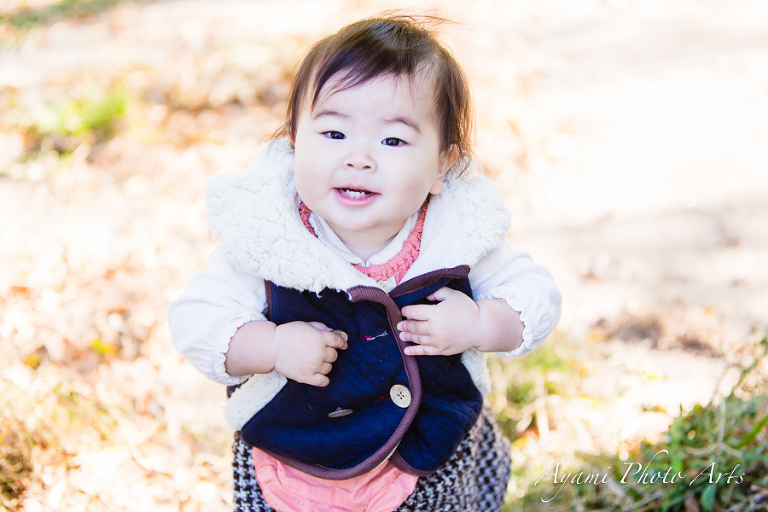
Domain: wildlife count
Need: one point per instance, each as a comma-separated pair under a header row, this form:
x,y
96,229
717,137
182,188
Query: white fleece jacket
x,y
254,216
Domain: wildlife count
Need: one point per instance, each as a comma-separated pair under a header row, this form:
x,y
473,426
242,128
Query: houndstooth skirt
x,y
473,480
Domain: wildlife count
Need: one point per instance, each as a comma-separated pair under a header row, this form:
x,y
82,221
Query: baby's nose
x,y
360,159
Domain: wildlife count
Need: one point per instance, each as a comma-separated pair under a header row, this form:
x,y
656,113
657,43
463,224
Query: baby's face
x,y
367,157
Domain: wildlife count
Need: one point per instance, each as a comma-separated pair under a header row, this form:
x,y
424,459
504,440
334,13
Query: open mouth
x,y
354,194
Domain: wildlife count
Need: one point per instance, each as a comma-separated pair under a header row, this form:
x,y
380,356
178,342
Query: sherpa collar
x,y
254,216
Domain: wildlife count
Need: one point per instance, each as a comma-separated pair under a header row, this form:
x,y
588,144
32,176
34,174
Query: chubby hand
x,y
305,351
449,327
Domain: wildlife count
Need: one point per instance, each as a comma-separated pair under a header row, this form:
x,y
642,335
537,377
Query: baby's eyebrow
x,y
404,120
389,120
329,113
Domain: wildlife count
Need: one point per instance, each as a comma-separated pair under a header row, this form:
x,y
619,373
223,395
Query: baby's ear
x,y
447,159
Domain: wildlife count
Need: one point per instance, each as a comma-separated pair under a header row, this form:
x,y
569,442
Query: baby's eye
x,y
393,141
334,135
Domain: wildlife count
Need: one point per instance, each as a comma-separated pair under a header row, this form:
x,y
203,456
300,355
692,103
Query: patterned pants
x,y
473,480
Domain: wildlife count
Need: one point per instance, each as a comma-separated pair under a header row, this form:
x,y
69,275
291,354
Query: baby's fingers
x,y
330,355
318,380
422,350
442,294
418,312
338,340
413,327
320,326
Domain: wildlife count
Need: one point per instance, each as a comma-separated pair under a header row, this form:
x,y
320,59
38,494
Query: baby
x,y
363,272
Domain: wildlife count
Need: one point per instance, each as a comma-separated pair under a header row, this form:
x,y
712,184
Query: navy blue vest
x,y
353,425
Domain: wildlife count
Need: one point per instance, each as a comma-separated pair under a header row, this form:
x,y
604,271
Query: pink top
x,y
289,490
385,488
400,262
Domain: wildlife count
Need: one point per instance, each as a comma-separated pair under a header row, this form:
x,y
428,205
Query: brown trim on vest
x,y
268,290
419,282
388,449
398,461
372,294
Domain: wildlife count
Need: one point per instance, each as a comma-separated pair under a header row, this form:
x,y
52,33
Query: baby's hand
x,y
305,351
447,328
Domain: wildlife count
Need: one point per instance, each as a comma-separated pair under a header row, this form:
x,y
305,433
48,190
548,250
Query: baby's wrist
x,y
499,327
276,346
250,349
482,337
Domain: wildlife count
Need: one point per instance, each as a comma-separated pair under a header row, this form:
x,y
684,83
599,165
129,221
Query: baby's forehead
x,y
417,84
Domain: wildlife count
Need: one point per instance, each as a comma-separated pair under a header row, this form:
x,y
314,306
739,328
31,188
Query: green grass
x,y
91,112
87,114
552,369
29,18
713,458
41,426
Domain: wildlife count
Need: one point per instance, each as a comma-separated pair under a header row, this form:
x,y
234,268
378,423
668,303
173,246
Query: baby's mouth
x,y
354,194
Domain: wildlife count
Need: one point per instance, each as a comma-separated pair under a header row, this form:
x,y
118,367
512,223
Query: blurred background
x,y
629,137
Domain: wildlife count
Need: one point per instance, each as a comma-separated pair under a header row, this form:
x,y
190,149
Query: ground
x,y
629,138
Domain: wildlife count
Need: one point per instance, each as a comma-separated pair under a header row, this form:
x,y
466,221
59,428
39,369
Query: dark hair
x,y
398,45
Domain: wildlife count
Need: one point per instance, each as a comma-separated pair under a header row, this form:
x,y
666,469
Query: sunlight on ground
x,y
628,137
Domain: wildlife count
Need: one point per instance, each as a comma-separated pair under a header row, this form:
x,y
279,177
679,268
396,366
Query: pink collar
x,y
399,264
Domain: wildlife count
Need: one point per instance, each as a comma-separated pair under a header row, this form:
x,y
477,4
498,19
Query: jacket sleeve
x,y
216,302
526,286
